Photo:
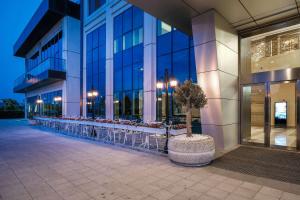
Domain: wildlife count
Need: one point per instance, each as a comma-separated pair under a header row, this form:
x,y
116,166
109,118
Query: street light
x,y
57,99
93,94
165,85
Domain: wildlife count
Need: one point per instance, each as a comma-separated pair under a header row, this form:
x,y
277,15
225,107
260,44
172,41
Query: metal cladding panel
x,y
46,16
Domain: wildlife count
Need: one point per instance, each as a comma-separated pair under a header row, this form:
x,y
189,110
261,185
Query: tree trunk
x,y
189,119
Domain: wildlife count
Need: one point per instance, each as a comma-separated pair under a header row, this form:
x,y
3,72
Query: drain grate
x,y
262,162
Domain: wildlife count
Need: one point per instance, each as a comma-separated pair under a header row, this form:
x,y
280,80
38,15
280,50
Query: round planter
x,y
198,150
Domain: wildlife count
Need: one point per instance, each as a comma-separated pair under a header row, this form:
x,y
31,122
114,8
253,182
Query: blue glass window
x,y
164,44
118,61
118,45
95,68
118,80
51,106
118,26
138,17
180,41
127,78
138,54
137,36
138,78
127,57
127,41
128,63
163,63
127,20
181,65
175,53
163,28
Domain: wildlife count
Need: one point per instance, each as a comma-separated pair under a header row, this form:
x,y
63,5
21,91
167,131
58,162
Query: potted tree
x,y
191,149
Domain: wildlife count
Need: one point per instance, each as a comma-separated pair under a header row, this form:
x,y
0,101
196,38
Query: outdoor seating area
x,y
144,136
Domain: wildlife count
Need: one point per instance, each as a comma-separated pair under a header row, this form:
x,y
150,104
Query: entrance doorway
x,y
283,115
269,115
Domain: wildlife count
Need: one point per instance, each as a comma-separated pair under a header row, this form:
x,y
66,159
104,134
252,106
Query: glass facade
x,y
96,62
32,62
128,64
95,4
52,49
52,104
175,52
33,109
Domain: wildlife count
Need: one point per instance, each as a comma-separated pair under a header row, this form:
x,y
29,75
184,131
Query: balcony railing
x,y
50,70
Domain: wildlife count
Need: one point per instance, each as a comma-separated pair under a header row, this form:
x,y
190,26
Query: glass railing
x,y
34,75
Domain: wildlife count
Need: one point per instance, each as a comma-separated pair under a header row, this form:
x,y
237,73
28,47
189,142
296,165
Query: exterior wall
x,y
216,53
149,68
71,54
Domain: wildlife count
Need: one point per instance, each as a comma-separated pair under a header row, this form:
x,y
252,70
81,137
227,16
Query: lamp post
x,y
168,81
93,94
39,101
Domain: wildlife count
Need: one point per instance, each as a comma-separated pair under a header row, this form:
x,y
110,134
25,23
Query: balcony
x,y
47,72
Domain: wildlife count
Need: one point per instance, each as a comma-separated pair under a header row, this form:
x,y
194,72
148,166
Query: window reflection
x,y
175,52
128,64
96,62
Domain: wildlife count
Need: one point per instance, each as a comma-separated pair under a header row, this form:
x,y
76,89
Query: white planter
x,y
178,131
198,150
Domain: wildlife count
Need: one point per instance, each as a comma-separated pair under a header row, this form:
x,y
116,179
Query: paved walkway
x,y
35,164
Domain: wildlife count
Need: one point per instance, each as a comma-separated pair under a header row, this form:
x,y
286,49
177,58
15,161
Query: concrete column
x,y
71,55
109,106
216,54
149,68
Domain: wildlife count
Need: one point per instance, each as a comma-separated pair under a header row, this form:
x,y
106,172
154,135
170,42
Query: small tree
x,y
191,96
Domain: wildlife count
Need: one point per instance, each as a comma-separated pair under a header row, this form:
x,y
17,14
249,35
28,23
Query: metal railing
x,y
32,76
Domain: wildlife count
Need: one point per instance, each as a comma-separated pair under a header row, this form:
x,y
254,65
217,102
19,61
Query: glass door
x,y
253,114
283,115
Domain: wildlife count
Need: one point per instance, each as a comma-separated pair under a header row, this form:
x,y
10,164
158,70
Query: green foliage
x,y
191,96
189,93
11,105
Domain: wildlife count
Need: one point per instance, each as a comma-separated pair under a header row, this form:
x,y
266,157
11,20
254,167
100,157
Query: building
x,y
247,58
125,52
50,45
244,54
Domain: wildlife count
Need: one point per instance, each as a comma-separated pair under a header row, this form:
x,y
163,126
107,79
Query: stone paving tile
x,y
247,193
289,196
217,193
39,165
261,196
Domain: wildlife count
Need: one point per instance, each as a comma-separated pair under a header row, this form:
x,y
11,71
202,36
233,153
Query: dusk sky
x,y
14,15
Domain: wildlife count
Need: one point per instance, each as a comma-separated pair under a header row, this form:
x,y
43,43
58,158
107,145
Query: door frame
x,y
267,114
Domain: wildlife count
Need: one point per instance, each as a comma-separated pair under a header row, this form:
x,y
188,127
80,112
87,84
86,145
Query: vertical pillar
x,y
216,54
84,76
71,55
149,68
109,106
